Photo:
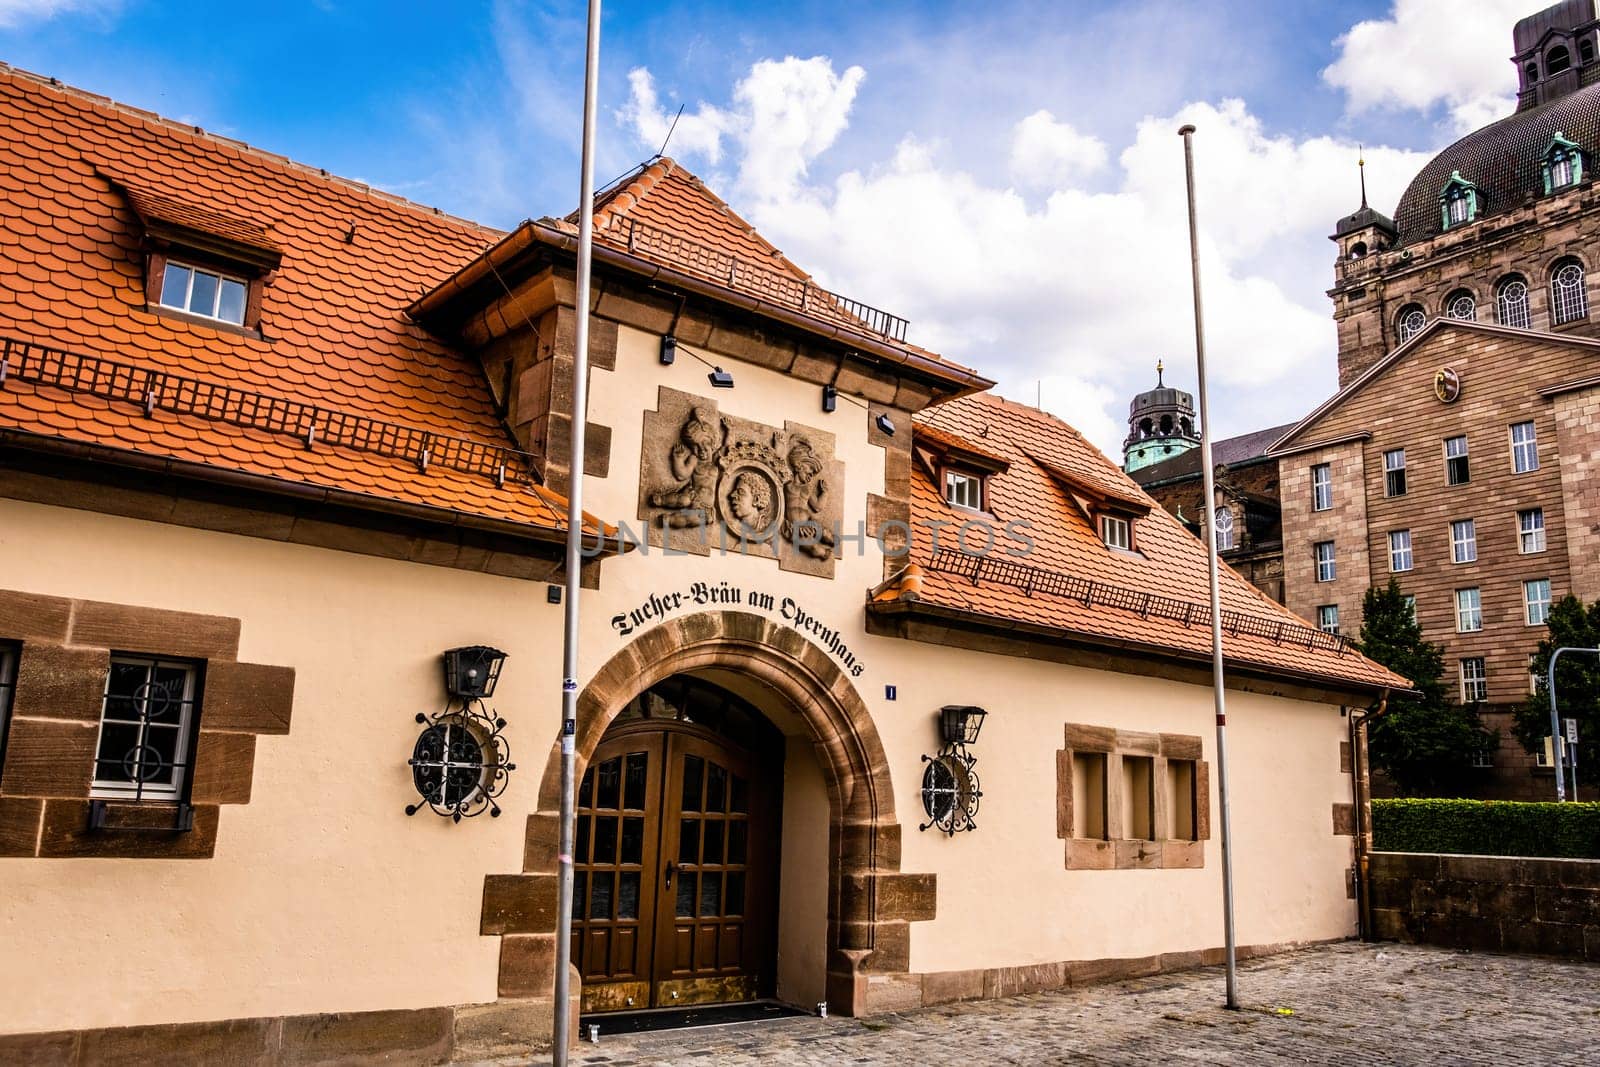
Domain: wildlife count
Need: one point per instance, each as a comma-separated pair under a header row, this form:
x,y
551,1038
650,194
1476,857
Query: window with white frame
x,y
1524,447
1321,487
1461,305
203,292
146,728
1533,673
1536,600
1394,472
1568,299
8,682
1225,534
1328,618
1561,170
1456,470
964,490
1530,530
1410,323
1400,550
1469,610
1411,605
1114,531
1474,680
1463,541
1483,757
1323,553
1511,303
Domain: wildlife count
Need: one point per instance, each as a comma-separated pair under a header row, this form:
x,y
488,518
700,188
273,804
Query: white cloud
x,y
1044,151
16,12
1082,288
1431,53
698,134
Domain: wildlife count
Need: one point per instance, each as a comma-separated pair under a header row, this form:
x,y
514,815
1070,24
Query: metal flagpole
x,y
1187,133
562,1029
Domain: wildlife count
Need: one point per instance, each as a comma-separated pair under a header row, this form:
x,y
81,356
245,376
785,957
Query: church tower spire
x,y
1161,425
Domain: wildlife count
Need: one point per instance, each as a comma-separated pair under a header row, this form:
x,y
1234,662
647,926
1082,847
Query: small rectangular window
x,y
1411,605
1326,570
1400,558
1530,530
1138,797
205,293
1114,532
1533,672
1321,487
1524,448
1328,618
963,490
1536,600
1457,471
1483,758
1089,795
1180,800
1463,541
1394,472
1469,610
1474,680
8,682
1545,755
146,725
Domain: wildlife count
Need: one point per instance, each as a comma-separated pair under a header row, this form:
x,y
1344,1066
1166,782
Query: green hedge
x,y
1487,828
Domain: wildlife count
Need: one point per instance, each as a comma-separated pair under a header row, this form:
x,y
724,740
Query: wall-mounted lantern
x,y
950,792
461,761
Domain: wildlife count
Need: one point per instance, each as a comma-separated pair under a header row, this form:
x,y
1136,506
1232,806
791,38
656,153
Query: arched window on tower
x,y
1185,426
1563,164
1532,71
1166,426
1225,535
1411,321
1511,303
1461,305
1568,300
1557,60
1586,51
1146,428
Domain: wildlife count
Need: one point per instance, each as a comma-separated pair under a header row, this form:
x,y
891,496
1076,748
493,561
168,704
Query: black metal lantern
x,y
959,724
471,672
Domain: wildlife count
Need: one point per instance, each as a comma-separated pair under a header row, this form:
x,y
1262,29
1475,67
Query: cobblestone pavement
x,y
1349,1003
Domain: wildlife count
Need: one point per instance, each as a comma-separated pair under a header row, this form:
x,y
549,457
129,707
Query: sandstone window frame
x,y
1569,298
1167,765
1469,610
1328,618
1463,541
1322,487
1530,531
1322,554
1536,601
1401,556
1394,472
1461,304
1410,322
1474,680
1511,303
1524,447
1226,537
141,710
1457,460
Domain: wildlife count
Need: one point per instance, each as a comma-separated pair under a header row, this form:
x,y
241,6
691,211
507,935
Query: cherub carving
x,y
693,501
804,500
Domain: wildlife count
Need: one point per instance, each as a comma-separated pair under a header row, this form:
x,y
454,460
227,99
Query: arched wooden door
x,y
675,886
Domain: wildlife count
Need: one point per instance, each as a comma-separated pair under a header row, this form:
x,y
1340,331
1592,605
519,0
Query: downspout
x,y
1361,804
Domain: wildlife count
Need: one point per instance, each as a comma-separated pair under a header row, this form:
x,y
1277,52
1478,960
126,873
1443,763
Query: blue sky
x,y
898,150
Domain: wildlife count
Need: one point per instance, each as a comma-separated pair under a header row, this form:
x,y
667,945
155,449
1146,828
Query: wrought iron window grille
x,y
462,761
950,787
143,758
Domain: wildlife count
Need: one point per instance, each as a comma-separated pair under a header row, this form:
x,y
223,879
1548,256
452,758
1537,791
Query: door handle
x,y
670,869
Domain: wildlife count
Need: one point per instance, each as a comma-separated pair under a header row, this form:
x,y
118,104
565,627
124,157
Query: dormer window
x,y
1563,164
963,489
1458,203
1116,532
198,291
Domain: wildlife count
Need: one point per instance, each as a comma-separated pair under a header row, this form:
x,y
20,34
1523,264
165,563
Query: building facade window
x,y
1562,166
1524,448
1530,530
1568,300
963,490
1483,757
1411,321
1115,533
1225,532
1511,303
1458,203
1463,541
1461,305
1328,618
1456,469
8,682
1321,487
1411,605
1536,601
1399,550
1469,611
1323,553
205,293
1394,472
146,729
1474,681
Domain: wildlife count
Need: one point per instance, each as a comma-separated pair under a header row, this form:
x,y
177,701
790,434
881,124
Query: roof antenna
x,y
668,137
1361,165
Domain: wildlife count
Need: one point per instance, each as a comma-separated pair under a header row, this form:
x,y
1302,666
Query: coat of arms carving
x,y
714,482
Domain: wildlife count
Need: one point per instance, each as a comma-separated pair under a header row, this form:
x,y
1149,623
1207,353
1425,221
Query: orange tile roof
x,y
1170,562
76,171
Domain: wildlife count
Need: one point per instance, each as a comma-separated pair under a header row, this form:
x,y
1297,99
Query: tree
x,y
1425,741
1577,681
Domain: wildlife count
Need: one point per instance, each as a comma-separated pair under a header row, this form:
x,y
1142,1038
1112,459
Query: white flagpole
x,y
1187,133
562,1029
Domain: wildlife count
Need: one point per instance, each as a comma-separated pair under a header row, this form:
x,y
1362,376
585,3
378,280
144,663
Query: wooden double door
x,y
675,865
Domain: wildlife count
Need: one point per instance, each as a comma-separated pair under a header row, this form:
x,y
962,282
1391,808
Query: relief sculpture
x,y
714,482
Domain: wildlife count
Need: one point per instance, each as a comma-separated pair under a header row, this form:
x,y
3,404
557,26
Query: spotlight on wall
x,y
669,350
830,398
885,424
721,379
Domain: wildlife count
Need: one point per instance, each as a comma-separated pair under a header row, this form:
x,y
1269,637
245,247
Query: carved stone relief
x,y
714,482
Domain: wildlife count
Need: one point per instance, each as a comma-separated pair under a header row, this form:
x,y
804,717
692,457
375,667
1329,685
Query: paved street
x,y
1354,1003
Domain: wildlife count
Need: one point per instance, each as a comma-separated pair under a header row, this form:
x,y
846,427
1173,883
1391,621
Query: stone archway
x,y
870,903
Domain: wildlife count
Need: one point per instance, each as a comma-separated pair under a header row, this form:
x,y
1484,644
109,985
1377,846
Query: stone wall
x,y
1546,907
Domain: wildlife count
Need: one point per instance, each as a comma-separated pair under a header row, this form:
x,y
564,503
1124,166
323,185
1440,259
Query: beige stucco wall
x,y
324,896
803,879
